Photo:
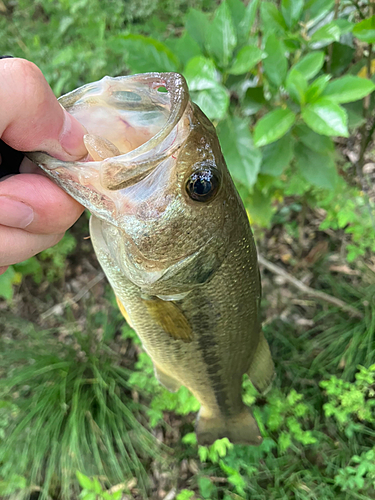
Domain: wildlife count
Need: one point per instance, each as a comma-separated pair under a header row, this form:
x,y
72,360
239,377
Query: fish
x,y
173,238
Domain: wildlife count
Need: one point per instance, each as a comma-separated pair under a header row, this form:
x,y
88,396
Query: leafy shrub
x,y
271,80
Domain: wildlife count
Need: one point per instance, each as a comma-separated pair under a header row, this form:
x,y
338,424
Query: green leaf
x,y
145,54
214,102
259,206
237,10
291,11
273,126
365,30
247,23
246,59
342,56
311,64
277,156
242,157
325,35
206,487
196,25
296,85
253,100
317,9
317,168
349,88
316,88
185,47
6,283
314,141
272,20
84,481
201,74
221,37
326,117
276,64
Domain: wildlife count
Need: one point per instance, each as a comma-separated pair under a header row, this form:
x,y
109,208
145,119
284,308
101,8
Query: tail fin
x,y
241,429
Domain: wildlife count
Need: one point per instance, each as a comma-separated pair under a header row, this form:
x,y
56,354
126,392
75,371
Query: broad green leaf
x,y
325,35
247,23
365,30
221,37
214,102
7,280
311,64
317,9
344,25
201,74
237,10
144,54
326,117
242,157
246,59
253,100
317,168
291,11
185,47
273,126
354,111
259,207
84,481
342,56
276,64
317,87
296,85
314,141
349,88
196,24
277,156
272,20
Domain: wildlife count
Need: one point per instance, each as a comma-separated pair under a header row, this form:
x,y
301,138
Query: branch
x,y
307,290
58,307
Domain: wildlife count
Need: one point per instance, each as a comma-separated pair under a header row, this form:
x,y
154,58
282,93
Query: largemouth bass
x,y
171,233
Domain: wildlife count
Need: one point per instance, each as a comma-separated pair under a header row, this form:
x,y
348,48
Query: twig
x,y
307,290
56,308
171,495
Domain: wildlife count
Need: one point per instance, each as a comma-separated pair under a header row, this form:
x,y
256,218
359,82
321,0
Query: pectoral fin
x,y
169,317
262,370
123,312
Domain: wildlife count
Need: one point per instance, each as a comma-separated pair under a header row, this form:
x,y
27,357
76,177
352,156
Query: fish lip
x,y
179,97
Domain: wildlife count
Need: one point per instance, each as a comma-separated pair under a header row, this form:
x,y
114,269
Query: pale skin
x,y
34,212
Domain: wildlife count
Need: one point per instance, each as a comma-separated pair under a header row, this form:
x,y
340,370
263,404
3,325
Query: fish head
x,y
155,181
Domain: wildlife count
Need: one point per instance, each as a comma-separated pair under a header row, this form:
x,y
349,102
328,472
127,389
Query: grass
x,y
69,408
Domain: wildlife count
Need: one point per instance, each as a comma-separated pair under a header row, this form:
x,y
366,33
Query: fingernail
x,y
15,213
71,137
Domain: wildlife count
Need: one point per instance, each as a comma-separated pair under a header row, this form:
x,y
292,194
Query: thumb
x,y
31,118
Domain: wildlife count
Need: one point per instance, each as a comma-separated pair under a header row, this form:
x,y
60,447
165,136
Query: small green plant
x,y
352,405
285,415
360,475
185,495
93,490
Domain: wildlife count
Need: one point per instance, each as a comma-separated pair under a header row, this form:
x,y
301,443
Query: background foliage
x,y
289,85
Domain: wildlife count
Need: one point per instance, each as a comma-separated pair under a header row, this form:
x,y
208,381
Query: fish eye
x,y
203,185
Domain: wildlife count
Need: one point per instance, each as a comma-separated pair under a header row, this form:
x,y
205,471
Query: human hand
x,y
34,212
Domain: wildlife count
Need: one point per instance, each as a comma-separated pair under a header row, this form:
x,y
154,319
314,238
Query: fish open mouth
x,y
134,124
